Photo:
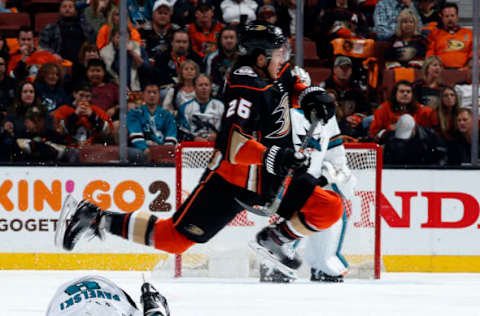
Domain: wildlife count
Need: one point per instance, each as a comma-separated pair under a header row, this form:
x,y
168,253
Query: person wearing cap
x,y
268,14
413,144
402,101
238,11
83,123
349,95
204,31
158,37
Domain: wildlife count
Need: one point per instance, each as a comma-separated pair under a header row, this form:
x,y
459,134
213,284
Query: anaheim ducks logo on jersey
x,y
283,120
454,44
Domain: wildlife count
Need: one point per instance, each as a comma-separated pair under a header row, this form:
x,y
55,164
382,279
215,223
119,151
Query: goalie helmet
x,y
262,38
317,104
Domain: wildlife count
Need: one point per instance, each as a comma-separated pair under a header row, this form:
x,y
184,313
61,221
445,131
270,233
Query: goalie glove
x,y
278,160
342,180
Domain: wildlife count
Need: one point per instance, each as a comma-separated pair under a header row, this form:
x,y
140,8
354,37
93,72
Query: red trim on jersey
x,y
252,88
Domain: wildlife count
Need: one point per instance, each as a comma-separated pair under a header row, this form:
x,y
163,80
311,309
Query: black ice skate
x,y
273,275
83,223
319,276
154,303
272,246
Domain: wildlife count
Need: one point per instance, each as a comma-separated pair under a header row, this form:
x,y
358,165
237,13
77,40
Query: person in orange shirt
x,y
204,31
402,101
83,123
103,36
452,43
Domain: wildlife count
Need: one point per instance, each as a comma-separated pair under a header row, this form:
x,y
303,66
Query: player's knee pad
x,y
167,238
322,209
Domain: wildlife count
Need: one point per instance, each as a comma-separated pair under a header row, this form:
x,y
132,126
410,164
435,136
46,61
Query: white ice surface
x,y
27,293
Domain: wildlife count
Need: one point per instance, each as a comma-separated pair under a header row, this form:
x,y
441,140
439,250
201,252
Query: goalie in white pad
x,y
329,164
97,296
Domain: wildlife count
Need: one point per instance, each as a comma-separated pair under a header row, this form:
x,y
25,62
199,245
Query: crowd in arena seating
x,y
399,70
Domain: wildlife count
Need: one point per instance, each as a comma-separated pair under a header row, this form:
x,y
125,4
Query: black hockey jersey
x,y
256,117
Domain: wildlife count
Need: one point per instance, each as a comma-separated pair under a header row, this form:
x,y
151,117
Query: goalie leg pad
x,y
322,209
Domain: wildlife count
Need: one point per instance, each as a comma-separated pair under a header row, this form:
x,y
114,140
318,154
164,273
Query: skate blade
x,y
265,254
68,208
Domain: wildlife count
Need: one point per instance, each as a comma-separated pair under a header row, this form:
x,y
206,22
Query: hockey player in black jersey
x,y
253,153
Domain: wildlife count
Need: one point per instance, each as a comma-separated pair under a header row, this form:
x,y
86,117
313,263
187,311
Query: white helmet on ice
x,y
97,308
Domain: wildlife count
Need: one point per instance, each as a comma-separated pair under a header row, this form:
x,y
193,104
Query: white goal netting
x,y
228,255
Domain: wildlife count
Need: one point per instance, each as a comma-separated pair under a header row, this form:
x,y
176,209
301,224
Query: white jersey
x,y
80,294
322,250
326,143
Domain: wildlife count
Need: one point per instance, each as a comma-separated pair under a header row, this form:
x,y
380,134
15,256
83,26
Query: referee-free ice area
x,y
27,293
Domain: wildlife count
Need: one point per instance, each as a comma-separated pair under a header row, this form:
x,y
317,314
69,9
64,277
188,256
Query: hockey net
x,y
228,255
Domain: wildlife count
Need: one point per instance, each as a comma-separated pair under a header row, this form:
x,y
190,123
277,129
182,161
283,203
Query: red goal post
x,y
361,243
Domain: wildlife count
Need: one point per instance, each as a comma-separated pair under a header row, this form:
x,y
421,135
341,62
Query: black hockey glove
x,y
278,160
317,104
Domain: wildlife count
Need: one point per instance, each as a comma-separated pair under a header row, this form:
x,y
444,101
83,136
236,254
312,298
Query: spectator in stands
x,y
157,39
413,144
138,64
7,85
459,146
103,36
349,94
97,12
428,12
3,7
25,98
4,49
286,13
236,11
407,46
184,12
444,115
25,62
464,89
104,93
268,13
452,43
204,31
140,12
87,52
340,19
49,86
402,101
385,16
41,143
83,123
150,124
65,37
167,64
185,89
219,63
428,89
199,119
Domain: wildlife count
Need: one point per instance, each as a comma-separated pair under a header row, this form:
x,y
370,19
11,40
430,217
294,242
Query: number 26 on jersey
x,y
239,106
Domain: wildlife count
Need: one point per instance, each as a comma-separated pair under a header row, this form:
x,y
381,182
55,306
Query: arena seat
x,y
99,154
318,74
36,6
450,78
42,19
11,22
163,154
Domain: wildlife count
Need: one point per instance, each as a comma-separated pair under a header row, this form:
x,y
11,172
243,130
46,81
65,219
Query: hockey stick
x,y
271,208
